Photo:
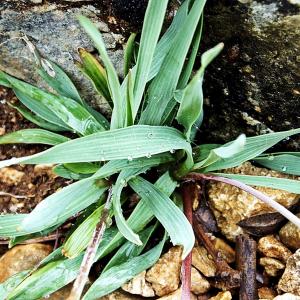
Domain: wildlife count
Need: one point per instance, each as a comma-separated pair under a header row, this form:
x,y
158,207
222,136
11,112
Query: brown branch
x,y
90,252
189,192
246,263
48,238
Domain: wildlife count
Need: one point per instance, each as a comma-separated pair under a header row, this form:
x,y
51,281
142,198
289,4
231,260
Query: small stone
x,y
266,293
290,280
272,266
226,252
199,284
2,131
21,258
290,235
271,247
36,1
287,296
295,2
139,286
10,176
164,275
222,296
231,204
202,261
176,296
44,169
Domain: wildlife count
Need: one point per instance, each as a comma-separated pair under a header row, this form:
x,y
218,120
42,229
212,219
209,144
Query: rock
x,y
290,280
11,176
271,247
239,93
202,261
21,258
231,205
55,31
272,266
176,296
42,169
290,235
139,286
222,296
287,296
266,293
199,284
164,275
119,295
226,252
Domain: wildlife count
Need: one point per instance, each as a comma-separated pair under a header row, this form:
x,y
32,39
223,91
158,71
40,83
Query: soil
x,y
33,187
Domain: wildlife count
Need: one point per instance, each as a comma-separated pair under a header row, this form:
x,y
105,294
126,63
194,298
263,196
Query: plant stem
x,y
188,192
278,207
90,252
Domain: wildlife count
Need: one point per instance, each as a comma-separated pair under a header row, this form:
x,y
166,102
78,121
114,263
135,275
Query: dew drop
x,y
129,158
172,151
123,182
150,135
271,157
148,155
102,158
284,168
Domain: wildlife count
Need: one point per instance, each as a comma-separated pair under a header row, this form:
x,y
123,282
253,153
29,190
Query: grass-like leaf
x,y
163,86
9,223
164,209
285,163
254,147
154,15
118,275
33,136
128,53
112,77
285,184
126,143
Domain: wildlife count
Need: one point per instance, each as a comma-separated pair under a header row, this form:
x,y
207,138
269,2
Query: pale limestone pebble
x,y
226,252
272,266
271,247
290,235
119,295
2,131
139,286
42,169
231,204
164,276
290,280
265,293
10,176
202,261
287,296
295,2
176,296
21,258
222,296
199,284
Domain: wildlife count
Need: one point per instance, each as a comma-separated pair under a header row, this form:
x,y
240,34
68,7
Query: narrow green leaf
x,y
63,204
162,88
223,152
83,168
122,225
35,119
129,100
9,224
63,172
129,250
92,68
290,185
201,152
152,25
80,238
254,147
285,163
66,110
118,115
126,143
170,216
116,276
12,282
33,136
128,53
58,80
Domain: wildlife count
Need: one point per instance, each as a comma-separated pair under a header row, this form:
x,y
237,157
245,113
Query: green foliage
x,y
157,90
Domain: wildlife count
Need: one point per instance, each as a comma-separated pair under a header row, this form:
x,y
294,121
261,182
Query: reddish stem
x,y
189,193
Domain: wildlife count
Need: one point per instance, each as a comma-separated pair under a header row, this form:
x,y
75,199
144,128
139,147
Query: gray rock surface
x,y
252,87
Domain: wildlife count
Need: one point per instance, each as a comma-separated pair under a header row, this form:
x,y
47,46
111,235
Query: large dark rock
x,y
252,87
